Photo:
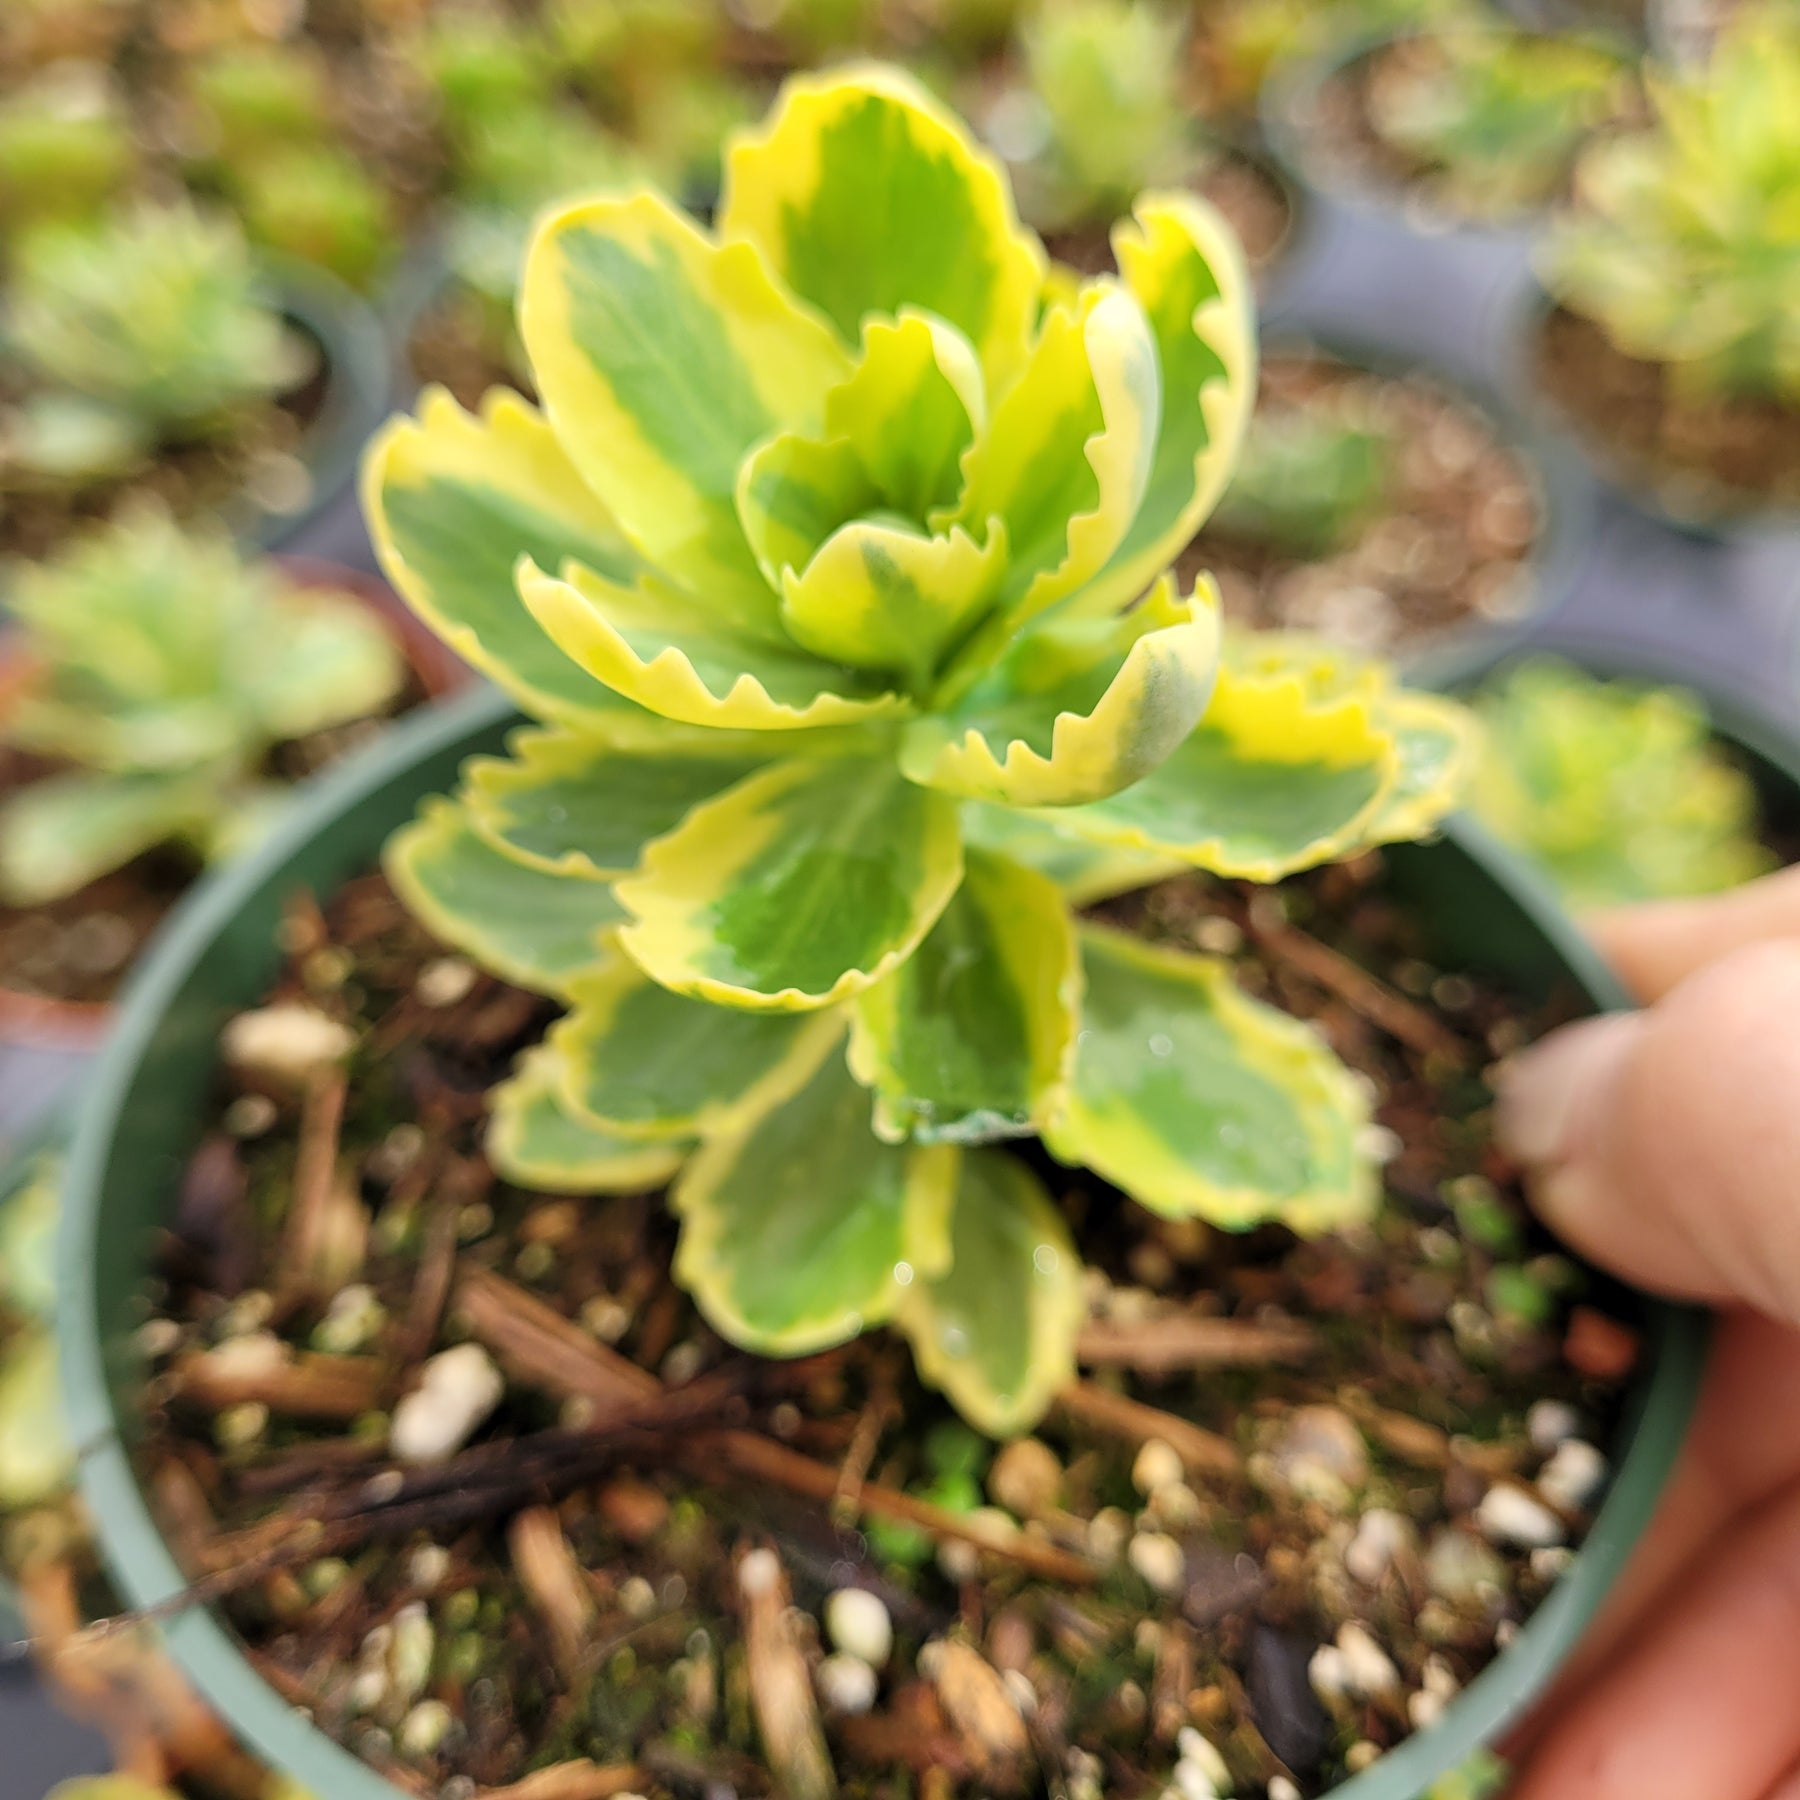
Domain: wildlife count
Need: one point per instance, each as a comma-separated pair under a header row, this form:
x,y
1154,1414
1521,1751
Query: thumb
x,y
1666,1144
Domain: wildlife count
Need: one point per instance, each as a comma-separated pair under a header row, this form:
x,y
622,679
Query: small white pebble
x,y
1203,1754
857,1623
759,1572
1328,1674
250,1115
1437,1677
428,1567
249,1312
1020,1691
1319,1454
1280,1788
240,1425
368,1690
1368,1668
683,1363
1026,1478
1506,1634
1108,1532
1361,1755
1574,1475
444,981
411,1648
1160,1561
1423,1710
157,1338
638,1598
1508,1514
958,1562
1552,1564
1157,1465
287,1044
458,1389
846,1684
424,1729
1174,1507
1551,1422
1461,1569
605,1319
1382,1537
1193,1783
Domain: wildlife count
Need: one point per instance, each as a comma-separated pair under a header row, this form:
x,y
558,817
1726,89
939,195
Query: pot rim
x,y
409,762
1565,489
42,1022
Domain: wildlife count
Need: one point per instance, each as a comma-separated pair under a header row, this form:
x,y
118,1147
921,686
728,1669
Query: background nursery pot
x,y
146,1100
1563,491
36,1019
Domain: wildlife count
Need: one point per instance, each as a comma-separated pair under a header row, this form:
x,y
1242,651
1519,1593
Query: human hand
x,y
1665,1145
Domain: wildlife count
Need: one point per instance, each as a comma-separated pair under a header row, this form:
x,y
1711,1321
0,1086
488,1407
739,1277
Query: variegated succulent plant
x,y
161,669
1684,244
833,571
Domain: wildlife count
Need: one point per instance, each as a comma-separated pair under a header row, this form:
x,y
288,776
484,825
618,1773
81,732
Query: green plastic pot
x,y
147,1100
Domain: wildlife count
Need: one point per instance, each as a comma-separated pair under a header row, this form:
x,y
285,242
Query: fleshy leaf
x,y
802,885
1065,460
1438,742
996,1331
535,929
1270,781
659,649
1182,261
641,1062
867,196
973,1036
913,406
1075,710
881,596
60,833
1201,1102
533,1139
793,492
453,502
1085,872
802,1228
574,805
662,358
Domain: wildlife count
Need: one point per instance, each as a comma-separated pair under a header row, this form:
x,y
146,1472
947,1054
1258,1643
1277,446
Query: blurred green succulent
x,y
153,328
1619,790
835,573
65,150
36,1458
1684,242
1494,116
319,203
480,69
612,46
1306,482
251,98
1105,78
163,670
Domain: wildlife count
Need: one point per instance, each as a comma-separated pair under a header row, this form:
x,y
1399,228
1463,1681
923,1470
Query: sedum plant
x,y
150,329
65,150
1495,116
1684,244
1104,78
1618,790
249,99
319,203
162,670
1307,481
833,573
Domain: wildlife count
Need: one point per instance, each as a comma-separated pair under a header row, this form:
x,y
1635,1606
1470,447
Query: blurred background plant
x,y
66,151
1619,790
151,328
1684,243
161,670
1306,482
1493,116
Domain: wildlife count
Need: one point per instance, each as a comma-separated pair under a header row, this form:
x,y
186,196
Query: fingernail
x,y
1543,1094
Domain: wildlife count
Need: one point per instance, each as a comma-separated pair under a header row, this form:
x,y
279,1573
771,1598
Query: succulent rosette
x,y
833,571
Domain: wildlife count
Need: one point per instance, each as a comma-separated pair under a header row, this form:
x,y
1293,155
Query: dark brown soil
x,y
573,1586
258,465
451,345
1447,545
1250,196
1699,458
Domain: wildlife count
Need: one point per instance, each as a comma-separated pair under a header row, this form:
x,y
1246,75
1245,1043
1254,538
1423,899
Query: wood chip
x,y
556,1585
1098,1408
579,1780
980,1710
787,1716
306,1238
1169,1343
310,1385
